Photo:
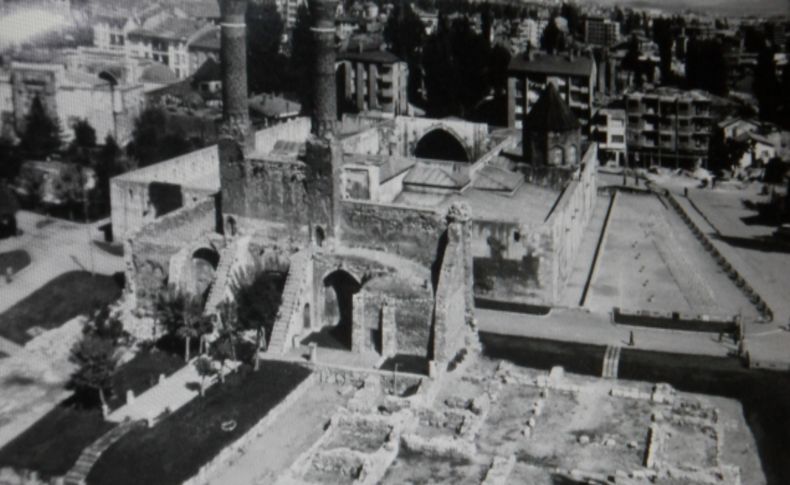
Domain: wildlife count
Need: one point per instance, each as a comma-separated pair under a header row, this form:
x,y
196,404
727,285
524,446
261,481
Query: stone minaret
x,y
235,111
324,91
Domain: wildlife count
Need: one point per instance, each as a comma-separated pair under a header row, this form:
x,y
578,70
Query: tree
x,y
405,33
42,135
302,58
705,66
97,361
84,134
258,295
766,85
663,36
109,163
265,63
570,12
205,369
152,141
553,39
182,316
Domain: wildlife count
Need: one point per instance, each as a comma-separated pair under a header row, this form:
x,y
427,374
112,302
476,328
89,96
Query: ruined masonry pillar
x,y
233,52
324,93
358,323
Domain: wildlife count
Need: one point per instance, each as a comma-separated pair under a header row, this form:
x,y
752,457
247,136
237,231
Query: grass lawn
x,y
176,448
60,300
54,442
52,445
16,260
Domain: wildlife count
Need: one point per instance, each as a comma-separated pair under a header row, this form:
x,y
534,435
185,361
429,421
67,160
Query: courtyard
x,y
651,261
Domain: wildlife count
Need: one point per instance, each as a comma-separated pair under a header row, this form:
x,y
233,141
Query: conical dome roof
x,y
551,113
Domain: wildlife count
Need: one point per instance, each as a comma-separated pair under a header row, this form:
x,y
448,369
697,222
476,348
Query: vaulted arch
x,y
441,144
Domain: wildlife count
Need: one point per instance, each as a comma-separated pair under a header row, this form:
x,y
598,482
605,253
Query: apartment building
x,y
573,75
609,131
372,81
668,127
601,31
170,43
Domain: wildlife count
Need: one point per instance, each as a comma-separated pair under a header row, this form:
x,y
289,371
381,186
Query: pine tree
x,y
42,136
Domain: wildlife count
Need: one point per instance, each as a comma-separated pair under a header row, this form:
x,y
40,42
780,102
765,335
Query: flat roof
x,y
553,64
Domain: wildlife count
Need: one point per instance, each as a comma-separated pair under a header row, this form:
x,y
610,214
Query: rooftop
x,y
550,113
171,29
378,56
553,64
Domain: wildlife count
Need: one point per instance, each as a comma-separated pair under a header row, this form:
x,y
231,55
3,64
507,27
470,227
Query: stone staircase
x,y
91,454
291,302
230,260
611,362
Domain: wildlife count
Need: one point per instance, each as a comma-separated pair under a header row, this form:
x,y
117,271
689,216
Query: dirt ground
x,y
652,261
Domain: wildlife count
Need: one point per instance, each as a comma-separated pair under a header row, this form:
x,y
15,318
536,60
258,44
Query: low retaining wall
x,y
600,245
510,306
755,298
675,321
234,450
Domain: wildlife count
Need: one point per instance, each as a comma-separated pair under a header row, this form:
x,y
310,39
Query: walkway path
x,y
55,246
91,454
172,393
611,362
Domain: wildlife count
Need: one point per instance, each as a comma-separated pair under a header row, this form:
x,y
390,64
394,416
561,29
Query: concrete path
x,y
170,394
570,325
55,246
90,455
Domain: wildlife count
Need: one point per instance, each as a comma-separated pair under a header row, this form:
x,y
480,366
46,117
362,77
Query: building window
x,y
618,139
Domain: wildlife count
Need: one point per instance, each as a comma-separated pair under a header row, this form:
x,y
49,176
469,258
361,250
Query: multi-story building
x,y
669,127
609,130
288,10
70,96
574,77
372,81
601,31
110,31
170,43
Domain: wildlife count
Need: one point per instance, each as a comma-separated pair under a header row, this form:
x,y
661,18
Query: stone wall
x,y
293,130
196,173
406,231
148,251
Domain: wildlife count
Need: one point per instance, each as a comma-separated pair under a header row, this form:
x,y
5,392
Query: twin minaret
x,y
235,112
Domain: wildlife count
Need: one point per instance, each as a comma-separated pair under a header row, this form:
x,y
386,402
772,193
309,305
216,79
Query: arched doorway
x,y
440,144
339,290
204,265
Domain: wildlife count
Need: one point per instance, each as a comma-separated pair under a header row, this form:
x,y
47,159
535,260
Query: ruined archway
x,y
204,266
340,288
441,144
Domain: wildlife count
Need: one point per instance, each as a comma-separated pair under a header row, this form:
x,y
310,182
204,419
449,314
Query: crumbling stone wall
x,y
130,197
409,232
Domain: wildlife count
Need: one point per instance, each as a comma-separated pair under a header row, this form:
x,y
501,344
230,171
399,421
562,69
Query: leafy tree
x,y
705,66
205,369
553,39
10,159
84,134
182,316
766,85
42,135
97,361
107,325
570,12
258,295
405,33
265,63
499,59
302,58
456,64
152,142
663,36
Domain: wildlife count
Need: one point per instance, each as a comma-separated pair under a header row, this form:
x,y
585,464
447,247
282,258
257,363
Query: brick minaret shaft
x,y
324,91
235,111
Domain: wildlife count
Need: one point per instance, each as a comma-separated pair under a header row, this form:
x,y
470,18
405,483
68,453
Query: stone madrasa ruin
x,y
387,227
